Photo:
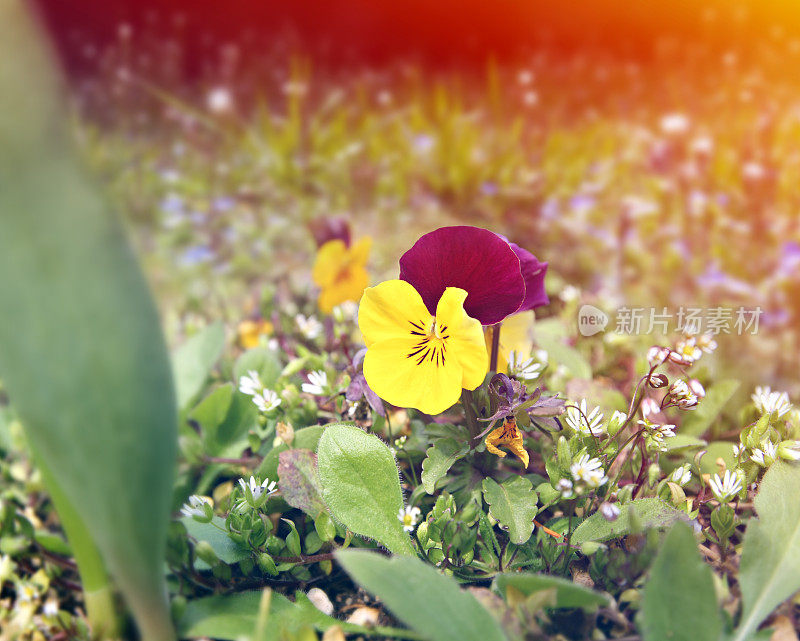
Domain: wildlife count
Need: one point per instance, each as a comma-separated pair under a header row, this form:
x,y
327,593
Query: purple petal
x,y
533,272
474,259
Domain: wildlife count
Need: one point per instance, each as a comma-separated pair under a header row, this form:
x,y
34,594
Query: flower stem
x,y
495,347
469,414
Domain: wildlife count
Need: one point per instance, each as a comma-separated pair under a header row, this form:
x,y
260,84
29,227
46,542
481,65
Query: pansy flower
x,y
340,272
499,277
415,358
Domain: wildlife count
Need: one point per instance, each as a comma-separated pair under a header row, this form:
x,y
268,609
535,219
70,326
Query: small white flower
x,y
679,388
266,400
257,489
565,487
250,384
769,402
345,312
727,487
697,388
616,421
526,369
589,470
765,455
657,355
197,507
681,475
309,327
27,592
738,449
409,517
686,352
317,382
610,511
575,419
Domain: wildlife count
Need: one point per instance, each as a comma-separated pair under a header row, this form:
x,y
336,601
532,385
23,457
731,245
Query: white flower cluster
x,y
265,399
588,471
776,404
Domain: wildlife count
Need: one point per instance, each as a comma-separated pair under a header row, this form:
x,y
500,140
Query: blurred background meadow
x,y
651,155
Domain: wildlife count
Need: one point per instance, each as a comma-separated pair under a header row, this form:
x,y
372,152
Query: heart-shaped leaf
x,y
513,503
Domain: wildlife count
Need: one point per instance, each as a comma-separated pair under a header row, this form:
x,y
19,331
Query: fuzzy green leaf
x,y
770,566
224,547
680,582
568,594
513,503
439,459
361,485
638,514
421,597
262,360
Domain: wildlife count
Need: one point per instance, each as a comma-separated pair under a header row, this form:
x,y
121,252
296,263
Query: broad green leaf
x,y
259,359
680,584
770,566
192,362
361,485
439,459
233,617
229,436
714,451
568,594
634,516
82,358
224,547
717,395
298,480
421,597
513,503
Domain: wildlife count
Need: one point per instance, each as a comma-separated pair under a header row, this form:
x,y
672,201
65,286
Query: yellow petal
x,y
349,285
388,311
407,380
359,253
331,258
464,337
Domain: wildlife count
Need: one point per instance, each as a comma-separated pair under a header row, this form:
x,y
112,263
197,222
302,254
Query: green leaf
x,y
700,419
233,617
715,450
361,485
83,358
225,416
563,354
568,594
306,438
259,359
680,602
683,442
439,459
633,516
298,480
192,362
224,547
513,503
421,597
770,566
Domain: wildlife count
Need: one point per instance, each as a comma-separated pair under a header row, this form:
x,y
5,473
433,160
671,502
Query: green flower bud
x,y
206,553
266,563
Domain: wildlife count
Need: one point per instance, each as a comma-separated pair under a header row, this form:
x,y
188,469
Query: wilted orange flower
x,y
508,435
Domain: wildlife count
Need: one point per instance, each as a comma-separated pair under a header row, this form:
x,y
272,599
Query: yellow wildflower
x,y
415,359
507,435
340,272
251,331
